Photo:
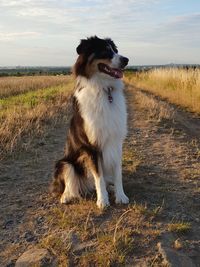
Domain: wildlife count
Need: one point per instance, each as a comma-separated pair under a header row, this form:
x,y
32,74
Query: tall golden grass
x,y
24,115
17,85
178,86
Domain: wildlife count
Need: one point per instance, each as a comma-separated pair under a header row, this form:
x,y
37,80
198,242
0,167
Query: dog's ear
x,y
83,46
86,46
79,67
110,42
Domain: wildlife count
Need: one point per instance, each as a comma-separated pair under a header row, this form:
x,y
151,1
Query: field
x,y
179,86
161,172
33,71
11,86
27,105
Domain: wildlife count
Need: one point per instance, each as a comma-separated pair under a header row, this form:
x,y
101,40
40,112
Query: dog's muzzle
x,y
124,62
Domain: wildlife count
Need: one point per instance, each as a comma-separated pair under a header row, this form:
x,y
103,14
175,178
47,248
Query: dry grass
x,y
179,227
81,235
10,86
157,110
179,86
26,114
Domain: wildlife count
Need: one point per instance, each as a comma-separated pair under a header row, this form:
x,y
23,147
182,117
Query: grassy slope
x,y
10,86
27,113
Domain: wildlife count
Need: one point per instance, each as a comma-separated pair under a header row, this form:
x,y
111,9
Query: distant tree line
x,y
150,67
32,71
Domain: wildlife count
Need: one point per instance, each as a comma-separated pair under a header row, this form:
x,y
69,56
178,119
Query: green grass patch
x,y
179,227
33,98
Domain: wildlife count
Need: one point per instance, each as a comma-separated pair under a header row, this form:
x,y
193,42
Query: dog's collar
x,y
108,91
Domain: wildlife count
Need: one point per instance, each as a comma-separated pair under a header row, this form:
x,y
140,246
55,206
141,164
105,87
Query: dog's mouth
x,y
113,72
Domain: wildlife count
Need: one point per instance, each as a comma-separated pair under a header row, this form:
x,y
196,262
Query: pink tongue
x,y
117,73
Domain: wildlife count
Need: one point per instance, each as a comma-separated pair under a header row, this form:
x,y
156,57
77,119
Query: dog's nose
x,y
124,61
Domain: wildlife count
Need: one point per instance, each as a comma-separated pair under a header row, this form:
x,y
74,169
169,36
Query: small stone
x,y
40,219
41,143
178,244
193,253
29,236
69,238
8,223
173,258
140,263
83,246
192,246
11,264
73,238
36,257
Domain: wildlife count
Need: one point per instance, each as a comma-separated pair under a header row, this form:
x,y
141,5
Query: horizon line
x,y
61,66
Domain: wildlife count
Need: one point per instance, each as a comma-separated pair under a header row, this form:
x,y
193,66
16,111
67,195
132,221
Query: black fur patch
x,y
79,152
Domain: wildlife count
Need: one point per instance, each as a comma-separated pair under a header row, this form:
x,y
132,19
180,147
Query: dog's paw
x,y
65,199
103,203
121,199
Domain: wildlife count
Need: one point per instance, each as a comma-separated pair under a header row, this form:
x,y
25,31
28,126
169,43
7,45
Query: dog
x,y
93,154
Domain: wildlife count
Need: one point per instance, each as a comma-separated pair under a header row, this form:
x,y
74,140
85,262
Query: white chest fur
x,y
104,122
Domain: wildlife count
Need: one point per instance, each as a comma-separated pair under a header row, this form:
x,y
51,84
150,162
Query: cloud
x,y
144,26
15,35
190,22
69,11
176,30
13,3
77,18
182,29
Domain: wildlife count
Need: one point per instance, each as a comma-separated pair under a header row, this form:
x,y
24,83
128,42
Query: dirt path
x,y
23,191
162,178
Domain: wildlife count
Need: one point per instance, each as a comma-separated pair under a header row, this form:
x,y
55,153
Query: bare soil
x,y
161,171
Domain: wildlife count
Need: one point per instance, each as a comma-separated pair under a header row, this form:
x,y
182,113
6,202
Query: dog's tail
x,y
57,186
70,180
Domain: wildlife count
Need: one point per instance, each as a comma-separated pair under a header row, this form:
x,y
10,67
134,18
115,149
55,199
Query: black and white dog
x,y
93,156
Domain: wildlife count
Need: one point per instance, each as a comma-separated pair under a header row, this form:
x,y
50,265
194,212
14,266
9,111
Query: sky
x,y
47,32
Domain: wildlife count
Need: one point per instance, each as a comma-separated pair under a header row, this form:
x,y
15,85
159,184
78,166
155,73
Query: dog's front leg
x,y
102,194
120,196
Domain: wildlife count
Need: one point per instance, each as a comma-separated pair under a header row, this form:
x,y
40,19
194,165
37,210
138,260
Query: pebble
x,y
29,236
36,257
8,223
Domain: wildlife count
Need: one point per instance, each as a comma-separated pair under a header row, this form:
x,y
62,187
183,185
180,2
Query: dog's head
x,y
99,56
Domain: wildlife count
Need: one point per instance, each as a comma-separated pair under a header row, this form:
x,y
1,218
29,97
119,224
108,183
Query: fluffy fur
x,y
98,127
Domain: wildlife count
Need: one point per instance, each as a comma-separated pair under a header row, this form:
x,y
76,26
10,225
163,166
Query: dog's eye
x,y
113,49
106,54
